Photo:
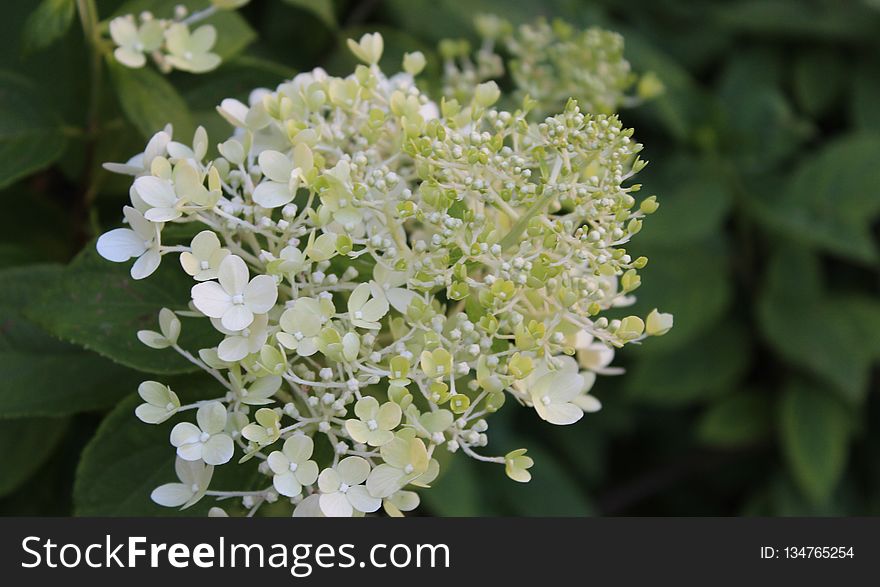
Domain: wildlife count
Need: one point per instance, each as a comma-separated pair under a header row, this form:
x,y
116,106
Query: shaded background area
x,y
765,156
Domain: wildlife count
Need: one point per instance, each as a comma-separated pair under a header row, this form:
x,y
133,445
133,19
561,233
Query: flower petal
x,y
172,495
237,318
184,433
146,264
276,166
218,450
233,274
211,299
261,294
270,194
212,417
361,499
120,244
287,484
353,470
335,505
298,448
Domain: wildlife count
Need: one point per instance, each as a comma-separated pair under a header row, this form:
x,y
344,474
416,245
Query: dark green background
x,y
765,156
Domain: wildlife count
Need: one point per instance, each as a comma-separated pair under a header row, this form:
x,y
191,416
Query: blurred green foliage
x,y
761,401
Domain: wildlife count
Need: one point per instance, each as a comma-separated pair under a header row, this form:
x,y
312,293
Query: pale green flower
x,y
342,492
162,403
399,502
195,477
375,422
191,51
658,323
208,441
292,466
134,41
240,343
265,430
260,392
368,49
169,331
406,459
300,326
283,175
552,394
205,256
516,465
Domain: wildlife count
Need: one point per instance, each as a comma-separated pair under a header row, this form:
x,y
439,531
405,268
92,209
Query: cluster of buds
x,y
385,273
550,63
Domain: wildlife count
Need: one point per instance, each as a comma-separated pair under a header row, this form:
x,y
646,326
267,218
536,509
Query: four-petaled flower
x,y
375,422
283,176
232,298
205,256
553,393
364,311
300,325
191,51
292,467
240,343
141,241
134,41
342,491
208,441
162,403
406,459
195,476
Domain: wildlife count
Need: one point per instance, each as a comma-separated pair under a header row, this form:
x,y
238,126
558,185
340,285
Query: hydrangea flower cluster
x,y
550,63
385,273
169,42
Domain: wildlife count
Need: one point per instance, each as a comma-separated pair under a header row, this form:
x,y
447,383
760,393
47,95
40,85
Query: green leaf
x,y
818,80
815,430
704,368
323,9
866,96
831,199
30,135
693,201
798,319
793,18
48,23
26,444
41,375
691,282
97,305
736,420
456,493
127,459
150,102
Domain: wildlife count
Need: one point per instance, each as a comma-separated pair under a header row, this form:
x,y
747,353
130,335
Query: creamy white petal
x,y
211,299
361,499
120,244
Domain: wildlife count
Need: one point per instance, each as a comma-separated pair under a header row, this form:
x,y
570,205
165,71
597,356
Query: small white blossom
x,y
208,441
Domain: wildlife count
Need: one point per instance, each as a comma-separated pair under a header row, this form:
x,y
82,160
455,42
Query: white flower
x,y
292,467
168,200
283,175
391,282
375,422
141,163
342,491
365,312
194,477
133,42
234,299
205,258
162,403
142,240
399,502
658,323
207,441
595,356
552,394
192,51
240,343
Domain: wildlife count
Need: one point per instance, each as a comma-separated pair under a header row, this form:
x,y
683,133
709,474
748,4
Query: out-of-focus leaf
x,y
48,23
815,430
127,459
97,305
823,19
150,102
704,368
866,96
831,199
691,282
25,444
693,201
811,330
30,135
41,375
457,491
762,125
323,9
818,80
735,420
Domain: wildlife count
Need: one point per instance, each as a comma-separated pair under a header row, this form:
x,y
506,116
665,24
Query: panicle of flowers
x,y
169,42
383,272
550,63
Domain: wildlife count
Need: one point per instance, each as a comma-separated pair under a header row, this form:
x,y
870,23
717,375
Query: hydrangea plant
x,y
384,271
